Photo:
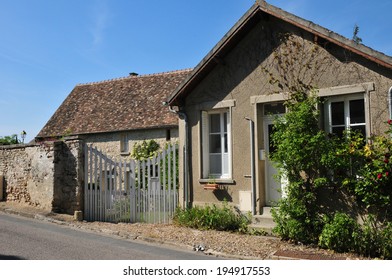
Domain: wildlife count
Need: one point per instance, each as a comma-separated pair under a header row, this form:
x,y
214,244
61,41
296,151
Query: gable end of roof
x,y
252,16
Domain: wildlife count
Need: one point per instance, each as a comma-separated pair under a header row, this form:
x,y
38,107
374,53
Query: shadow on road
x,y
5,257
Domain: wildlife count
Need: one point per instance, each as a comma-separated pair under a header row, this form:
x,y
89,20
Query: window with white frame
x,y
346,113
216,144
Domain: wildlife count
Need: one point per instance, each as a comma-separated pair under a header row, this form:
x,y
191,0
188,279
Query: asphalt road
x,y
23,238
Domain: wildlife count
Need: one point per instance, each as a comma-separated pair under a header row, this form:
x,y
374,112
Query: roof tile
x,y
129,103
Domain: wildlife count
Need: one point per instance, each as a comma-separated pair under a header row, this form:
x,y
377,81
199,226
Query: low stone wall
x,y
48,175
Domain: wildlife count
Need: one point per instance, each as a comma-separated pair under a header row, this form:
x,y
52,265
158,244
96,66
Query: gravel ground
x,y
232,245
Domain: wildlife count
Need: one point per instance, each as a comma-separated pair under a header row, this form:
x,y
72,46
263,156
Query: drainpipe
x,y
252,163
183,116
390,102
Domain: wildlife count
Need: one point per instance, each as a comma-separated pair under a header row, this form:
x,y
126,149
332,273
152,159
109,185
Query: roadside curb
x,y
13,212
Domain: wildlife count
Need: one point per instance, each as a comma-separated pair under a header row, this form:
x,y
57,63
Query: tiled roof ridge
x,y
137,76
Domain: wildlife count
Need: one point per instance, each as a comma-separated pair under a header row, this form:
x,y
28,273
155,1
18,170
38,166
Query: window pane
x,y
215,143
225,122
360,128
337,112
214,123
218,141
215,164
225,164
225,143
123,144
338,130
271,146
357,111
274,109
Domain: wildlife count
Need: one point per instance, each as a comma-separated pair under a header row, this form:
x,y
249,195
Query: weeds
x,y
212,218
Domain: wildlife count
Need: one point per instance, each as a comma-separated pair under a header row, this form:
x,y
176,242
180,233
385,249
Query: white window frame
x,y
205,136
347,122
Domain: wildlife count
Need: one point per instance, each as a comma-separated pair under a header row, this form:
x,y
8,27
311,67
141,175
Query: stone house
x,y
228,101
113,115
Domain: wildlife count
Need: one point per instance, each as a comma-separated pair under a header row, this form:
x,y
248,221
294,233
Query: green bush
x,y
385,241
342,234
357,168
145,149
307,168
376,240
294,222
372,187
211,217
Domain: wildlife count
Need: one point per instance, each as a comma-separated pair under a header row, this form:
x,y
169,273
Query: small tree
x,y
9,140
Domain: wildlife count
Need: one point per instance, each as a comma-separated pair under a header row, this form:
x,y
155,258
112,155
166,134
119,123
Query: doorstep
x,y
264,221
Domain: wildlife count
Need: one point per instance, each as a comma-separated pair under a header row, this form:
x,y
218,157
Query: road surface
x,y
23,238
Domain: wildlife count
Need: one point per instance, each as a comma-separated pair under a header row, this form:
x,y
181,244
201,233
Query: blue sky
x,y
49,46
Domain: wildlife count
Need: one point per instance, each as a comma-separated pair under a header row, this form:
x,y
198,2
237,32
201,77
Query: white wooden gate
x,y
130,191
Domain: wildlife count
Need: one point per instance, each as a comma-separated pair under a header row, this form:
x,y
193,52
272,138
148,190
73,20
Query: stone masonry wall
x,y
28,174
109,143
68,176
48,175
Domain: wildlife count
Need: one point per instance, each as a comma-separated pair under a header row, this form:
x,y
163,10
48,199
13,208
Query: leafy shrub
x,y
347,165
372,187
211,217
307,168
293,221
145,149
385,237
376,240
342,234
148,149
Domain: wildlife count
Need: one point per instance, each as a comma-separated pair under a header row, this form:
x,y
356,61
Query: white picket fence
x,y
130,191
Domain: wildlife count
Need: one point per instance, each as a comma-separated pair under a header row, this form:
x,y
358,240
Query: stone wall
x,y
68,176
48,175
109,143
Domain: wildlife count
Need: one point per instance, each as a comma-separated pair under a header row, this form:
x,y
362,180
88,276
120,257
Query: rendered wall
x,y
242,75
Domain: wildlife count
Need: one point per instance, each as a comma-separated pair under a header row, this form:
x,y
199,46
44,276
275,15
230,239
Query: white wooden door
x,y
273,184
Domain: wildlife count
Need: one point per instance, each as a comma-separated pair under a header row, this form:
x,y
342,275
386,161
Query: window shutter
x,y
204,144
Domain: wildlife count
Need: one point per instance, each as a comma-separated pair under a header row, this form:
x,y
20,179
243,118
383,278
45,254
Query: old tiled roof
x,y
129,103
